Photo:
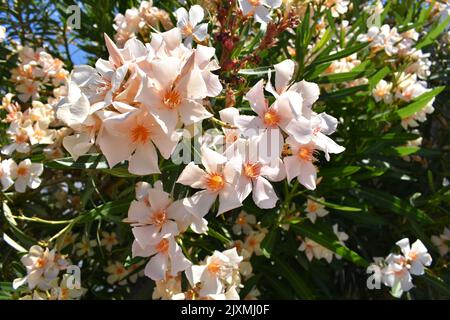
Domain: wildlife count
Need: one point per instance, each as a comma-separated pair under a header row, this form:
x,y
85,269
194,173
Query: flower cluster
x,y
31,127
397,269
314,250
36,71
43,276
406,85
138,98
139,20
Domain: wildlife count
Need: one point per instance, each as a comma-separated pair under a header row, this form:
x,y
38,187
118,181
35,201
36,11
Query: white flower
x,y
188,23
19,137
42,268
243,223
442,241
26,174
315,209
219,270
85,247
167,258
5,173
396,273
417,256
382,91
155,216
109,240
117,272
252,244
217,180
258,165
260,9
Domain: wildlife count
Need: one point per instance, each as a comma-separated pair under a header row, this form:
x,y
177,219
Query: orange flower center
x,y
41,262
159,218
171,99
140,134
305,154
241,220
252,242
22,171
252,170
39,135
271,118
21,138
255,3
312,207
215,182
120,270
162,246
187,30
214,267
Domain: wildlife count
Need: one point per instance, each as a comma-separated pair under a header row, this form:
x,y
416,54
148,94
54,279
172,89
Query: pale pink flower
x,y
301,163
217,180
5,173
26,174
442,242
137,132
417,256
259,164
166,258
42,268
260,9
188,23
243,223
156,216
396,273
219,271
19,137
315,209
170,95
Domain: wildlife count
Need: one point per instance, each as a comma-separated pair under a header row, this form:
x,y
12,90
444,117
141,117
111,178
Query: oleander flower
x,y
442,241
260,9
189,24
315,209
218,272
26,174
137,132
218,179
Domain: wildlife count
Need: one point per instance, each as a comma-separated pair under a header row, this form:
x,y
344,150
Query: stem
x,y
36,219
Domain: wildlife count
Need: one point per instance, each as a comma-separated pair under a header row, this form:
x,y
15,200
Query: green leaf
x,y
269,241
343,76
119,172
437,283
402,151
378,76
392,203
297,283
329,241
341,54
433,34
335,206
260,71
343,93
419,103
215,234
339,171
107,210
89,161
